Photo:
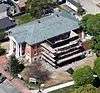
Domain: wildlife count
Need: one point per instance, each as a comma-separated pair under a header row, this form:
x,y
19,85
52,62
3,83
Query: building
x,y
51,38
5,21
73,5
20,4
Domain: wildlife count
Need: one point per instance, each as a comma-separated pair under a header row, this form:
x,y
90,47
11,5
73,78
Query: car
x,y
2,78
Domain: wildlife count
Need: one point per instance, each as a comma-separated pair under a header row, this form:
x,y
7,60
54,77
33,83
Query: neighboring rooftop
x,y
74,3
3,7
44,28
6,23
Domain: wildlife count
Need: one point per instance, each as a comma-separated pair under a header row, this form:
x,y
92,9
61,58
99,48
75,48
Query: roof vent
x,y
39,21
57,15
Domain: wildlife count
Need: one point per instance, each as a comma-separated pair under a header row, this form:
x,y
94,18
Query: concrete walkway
x,y
55,87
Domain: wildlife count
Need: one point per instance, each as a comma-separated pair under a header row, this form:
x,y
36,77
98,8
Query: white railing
x,y
77,46
45,45
48,61
48,56
71,43
71,57
48,52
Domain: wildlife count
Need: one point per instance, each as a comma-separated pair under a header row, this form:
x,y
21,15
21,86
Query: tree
x,y
14,66
83,76
86,89
2,34
91,24
96,45
39,73
36,7
2,51
97,67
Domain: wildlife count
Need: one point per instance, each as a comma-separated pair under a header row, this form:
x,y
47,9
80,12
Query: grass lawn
x,y
24,19
64,90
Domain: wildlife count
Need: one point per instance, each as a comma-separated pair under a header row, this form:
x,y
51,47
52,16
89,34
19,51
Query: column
x,y
20,49
83,35
11,46
17,50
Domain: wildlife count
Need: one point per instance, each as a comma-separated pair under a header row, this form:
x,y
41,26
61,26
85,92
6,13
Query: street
x,y
90,6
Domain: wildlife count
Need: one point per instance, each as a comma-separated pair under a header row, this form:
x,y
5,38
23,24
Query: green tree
x,y
96,45
97,66
83,76
86,89
2,51
91,24
14,66
36,7
2,34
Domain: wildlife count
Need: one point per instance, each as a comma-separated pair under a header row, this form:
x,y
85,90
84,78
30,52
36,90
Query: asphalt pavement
x,y
90,6
6,87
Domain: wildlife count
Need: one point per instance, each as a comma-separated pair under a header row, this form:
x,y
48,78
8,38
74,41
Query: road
x,y
90,6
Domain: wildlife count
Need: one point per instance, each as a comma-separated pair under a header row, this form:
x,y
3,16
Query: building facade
x,y
51,38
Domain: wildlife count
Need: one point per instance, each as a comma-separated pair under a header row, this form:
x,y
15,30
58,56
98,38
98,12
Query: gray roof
x,y
6,23
74,3
3,7
48,27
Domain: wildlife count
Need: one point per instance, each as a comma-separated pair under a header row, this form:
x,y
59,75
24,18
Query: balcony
x,y
47,56
47,60
48,52
46,46
68,49
71,57
70,43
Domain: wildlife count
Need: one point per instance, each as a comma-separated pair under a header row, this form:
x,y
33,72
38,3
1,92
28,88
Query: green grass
x,y
64,90
24,19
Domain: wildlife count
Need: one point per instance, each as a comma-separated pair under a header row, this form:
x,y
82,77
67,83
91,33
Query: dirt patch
x,y
58,77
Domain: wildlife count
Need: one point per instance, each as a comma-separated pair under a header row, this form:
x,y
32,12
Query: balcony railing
x,y
47,56
48,52
47,60
71,43
71,57
46,46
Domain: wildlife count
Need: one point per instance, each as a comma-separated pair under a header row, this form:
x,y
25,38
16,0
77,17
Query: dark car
x,y
2,78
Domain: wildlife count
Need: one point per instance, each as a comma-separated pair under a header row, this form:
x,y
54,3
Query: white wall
x,y
3,15
71,6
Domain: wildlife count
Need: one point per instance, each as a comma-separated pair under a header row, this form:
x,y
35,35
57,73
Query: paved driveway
x,y
90,6
6,87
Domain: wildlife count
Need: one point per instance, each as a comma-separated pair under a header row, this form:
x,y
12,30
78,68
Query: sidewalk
x,y
15,82
55,87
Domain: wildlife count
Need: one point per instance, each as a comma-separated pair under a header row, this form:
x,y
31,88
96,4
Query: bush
x,y
83,76
97,67
24,18
15,67
2,51
86,89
